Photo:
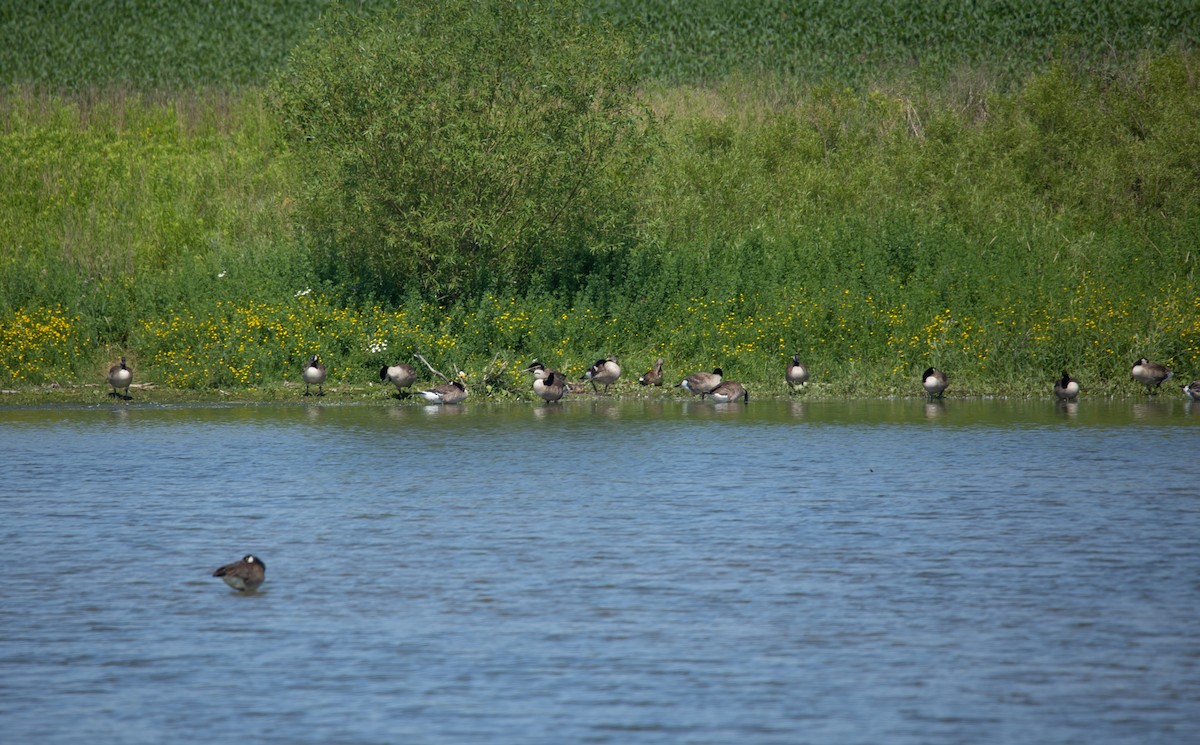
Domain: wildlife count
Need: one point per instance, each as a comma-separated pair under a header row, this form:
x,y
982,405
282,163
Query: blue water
x,y
603,572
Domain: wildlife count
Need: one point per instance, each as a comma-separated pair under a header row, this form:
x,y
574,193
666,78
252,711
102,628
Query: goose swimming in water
x,y
245,575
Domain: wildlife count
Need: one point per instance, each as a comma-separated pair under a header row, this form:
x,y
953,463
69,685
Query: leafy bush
x,y
455,146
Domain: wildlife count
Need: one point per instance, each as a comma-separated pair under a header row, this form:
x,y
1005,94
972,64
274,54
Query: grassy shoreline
x,y
516,388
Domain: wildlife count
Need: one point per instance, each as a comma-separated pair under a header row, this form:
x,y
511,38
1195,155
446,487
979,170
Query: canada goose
x,y
120,376
245,575
603,371
934,382
701,383
653,377
449,393
549,385
314,374
1149,374
399,375
552,387
728,391
1192,390
796,373
1066,388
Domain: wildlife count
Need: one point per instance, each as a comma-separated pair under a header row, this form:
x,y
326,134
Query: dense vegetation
x,y
996,188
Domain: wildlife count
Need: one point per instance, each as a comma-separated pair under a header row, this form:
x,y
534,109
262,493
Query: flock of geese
x,y
551,385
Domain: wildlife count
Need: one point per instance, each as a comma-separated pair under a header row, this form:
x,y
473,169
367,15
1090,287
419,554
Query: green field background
x,y
1004,190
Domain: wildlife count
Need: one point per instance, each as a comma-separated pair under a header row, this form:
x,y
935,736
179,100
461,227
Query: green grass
x,y
237,43
863,41
1012,204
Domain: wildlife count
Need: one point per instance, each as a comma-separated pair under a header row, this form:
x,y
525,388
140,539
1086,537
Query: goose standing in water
x,y
120,376
400,375
796,372
654,376
314,374
730,390
1192,390
934,382
1066,388
245,575
701,383
1149,374
603,371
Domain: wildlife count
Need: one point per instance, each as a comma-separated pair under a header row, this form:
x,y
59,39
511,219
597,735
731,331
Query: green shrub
x,y
456,145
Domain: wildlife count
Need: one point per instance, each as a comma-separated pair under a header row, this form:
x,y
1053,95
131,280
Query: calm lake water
x,y
604,572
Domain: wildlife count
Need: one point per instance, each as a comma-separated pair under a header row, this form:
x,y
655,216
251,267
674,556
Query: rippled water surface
x,y
604,572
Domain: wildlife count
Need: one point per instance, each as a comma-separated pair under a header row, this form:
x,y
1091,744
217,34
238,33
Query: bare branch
x,y
431,368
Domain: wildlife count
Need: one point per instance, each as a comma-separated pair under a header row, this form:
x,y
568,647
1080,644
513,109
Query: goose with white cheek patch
x,y
1149,374
120,376
314,374
604,372
245,575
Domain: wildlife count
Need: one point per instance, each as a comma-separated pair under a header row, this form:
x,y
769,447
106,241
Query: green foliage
x,y
1035,207
69,46
460,146
121,206
859,41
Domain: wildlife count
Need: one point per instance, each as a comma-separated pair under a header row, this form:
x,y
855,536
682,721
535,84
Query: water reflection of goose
x,y
934,382
245,575
701,383
730,390
1149,374
314,374
1066,388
